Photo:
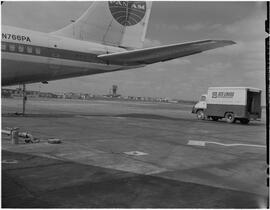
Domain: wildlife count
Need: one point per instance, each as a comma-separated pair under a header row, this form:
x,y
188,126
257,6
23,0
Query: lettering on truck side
x,y
16,37
222,94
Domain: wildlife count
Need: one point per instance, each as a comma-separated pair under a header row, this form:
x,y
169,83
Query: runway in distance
x,y
108,37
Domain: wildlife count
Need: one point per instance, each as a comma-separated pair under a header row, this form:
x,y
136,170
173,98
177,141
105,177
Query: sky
x,y
170,22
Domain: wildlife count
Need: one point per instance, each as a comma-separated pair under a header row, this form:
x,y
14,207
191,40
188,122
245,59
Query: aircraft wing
x,y
162,53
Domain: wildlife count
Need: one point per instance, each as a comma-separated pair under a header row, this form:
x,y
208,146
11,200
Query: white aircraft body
x,y
107,37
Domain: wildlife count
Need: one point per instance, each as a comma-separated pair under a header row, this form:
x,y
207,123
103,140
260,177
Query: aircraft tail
x,y
115,23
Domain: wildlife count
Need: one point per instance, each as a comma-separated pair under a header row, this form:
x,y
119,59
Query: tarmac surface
x,y
130,155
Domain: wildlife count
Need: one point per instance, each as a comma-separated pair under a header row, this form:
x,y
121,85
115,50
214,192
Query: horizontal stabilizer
x,y
162,53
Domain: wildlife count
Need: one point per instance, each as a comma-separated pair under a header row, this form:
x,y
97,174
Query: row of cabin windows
x,y
29,49
20,48
11,47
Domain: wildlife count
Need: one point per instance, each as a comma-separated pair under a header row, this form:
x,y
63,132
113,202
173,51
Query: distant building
x,y
114,89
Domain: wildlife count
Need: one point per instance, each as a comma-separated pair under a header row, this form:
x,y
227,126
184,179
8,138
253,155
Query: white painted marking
x,y
49,156
10,161
135,153
203,143
233,145
120,118
196,143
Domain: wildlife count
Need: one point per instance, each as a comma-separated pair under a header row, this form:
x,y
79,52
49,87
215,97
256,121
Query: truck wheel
x,y
230,118
244,121
200,115
215,118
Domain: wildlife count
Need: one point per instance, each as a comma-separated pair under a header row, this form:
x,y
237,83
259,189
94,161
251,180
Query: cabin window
x,y
38,50
20,48
29,49
12,47
4,46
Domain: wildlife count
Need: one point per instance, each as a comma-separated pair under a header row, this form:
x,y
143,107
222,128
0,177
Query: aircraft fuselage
x,y
30,56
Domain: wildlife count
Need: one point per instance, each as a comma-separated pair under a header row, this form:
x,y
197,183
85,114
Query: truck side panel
x,y
219,110
229,96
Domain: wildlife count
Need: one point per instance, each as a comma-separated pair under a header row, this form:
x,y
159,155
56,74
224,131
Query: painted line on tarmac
x,y
135,153
203,144
10,161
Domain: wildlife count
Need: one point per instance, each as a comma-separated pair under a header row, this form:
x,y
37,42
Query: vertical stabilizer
x,y
116,23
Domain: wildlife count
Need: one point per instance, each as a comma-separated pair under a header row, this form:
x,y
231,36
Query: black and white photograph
x,y
135,104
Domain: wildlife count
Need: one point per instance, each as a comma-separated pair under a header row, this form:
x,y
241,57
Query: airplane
x,y
107,37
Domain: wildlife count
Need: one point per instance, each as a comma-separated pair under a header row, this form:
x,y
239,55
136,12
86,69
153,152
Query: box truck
x,y
231,103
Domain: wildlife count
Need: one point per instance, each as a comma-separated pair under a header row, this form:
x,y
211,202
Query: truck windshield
x,y
203,98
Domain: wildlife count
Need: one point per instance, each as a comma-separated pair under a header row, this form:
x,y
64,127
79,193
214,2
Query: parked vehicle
x,y
231,103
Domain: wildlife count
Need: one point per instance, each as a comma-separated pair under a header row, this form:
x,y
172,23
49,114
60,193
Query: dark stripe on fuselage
x,y
27,49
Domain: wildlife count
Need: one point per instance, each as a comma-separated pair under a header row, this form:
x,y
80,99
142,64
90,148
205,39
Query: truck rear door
x,y
254,104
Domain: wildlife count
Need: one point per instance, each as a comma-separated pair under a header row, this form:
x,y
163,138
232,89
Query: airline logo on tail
x,y
127,13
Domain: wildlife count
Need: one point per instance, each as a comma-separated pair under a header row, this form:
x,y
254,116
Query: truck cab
x,y
200,107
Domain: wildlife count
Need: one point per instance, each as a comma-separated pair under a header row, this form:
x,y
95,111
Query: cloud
x,y
151,42
214,68
168,27
257,74
247,28
179,61
248,52
260,4
215,26
194,27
